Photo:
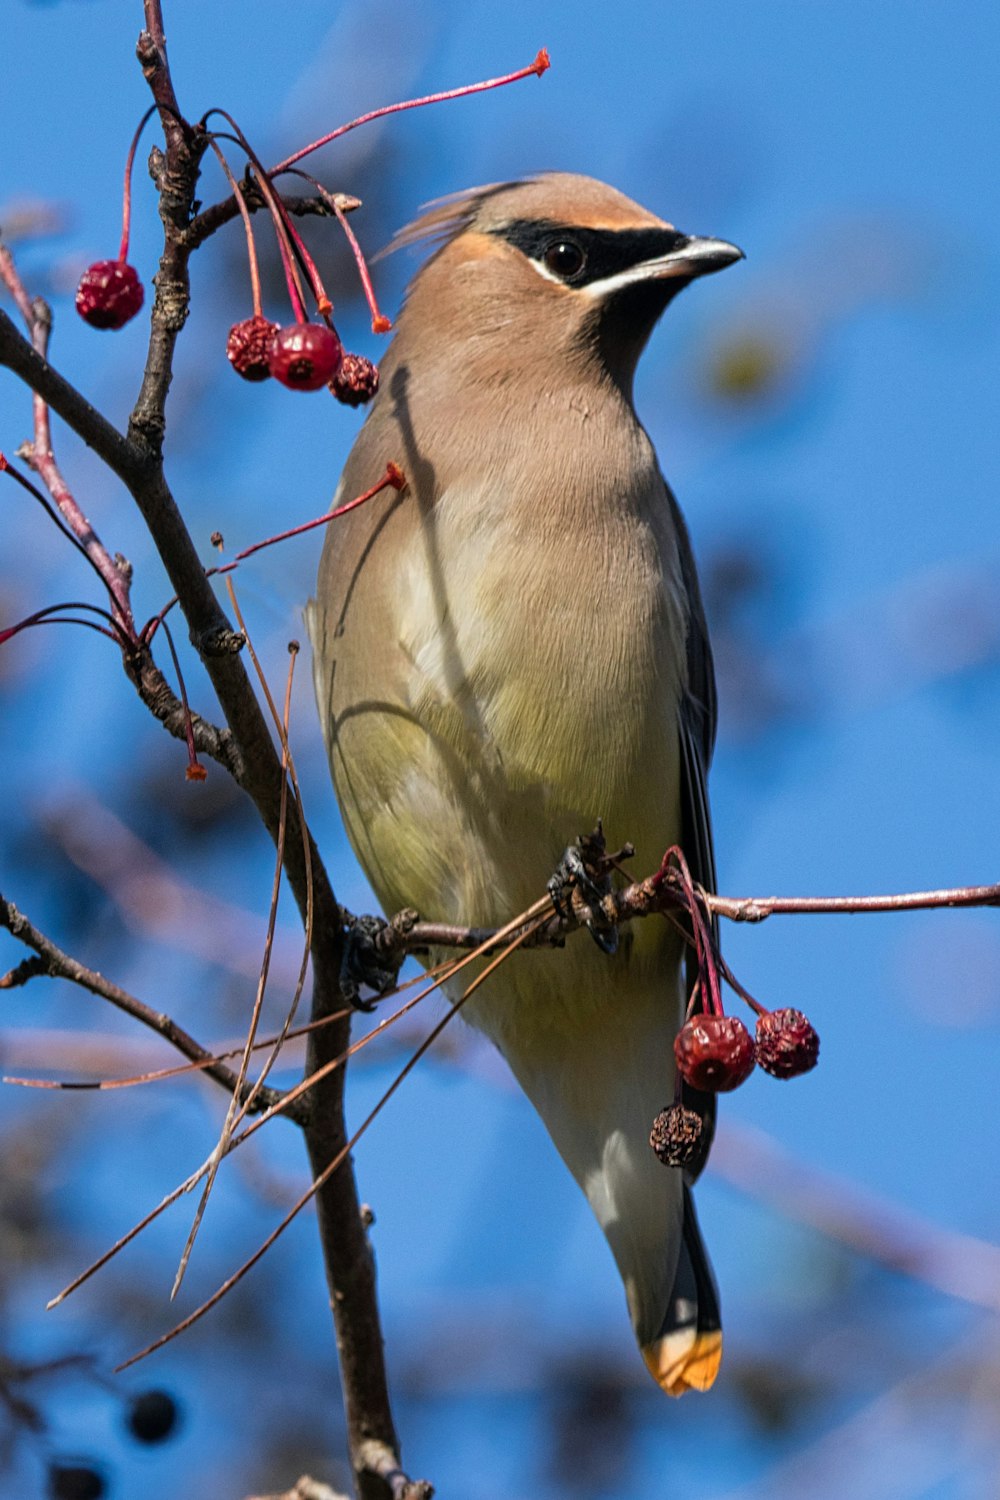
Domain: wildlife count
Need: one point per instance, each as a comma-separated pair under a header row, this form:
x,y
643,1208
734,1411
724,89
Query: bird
x,y
513,647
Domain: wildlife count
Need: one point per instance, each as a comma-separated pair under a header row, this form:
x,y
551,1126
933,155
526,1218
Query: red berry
x,y
714,1053
787,1044
248,347
356,382
110,294
676,1136
305,356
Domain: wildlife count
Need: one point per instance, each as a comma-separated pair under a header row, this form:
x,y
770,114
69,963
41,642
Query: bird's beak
x,y
691,256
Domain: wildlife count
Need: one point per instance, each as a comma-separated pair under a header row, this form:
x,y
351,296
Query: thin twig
x,y
225,1134
758,908
328,1170
60,965
285,1104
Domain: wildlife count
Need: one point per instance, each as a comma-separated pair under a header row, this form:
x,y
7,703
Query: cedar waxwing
x,y
513,648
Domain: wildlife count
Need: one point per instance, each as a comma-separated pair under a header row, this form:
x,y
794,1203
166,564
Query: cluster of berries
x,y
304,355
713,1052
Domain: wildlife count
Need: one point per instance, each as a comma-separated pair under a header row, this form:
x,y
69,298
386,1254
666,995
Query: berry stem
x,y
195,770
393,478
127,192
538,67
52,615
289,239
734,984
380,323
245,215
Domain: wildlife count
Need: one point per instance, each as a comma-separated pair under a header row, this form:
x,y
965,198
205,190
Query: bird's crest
x,y
444,218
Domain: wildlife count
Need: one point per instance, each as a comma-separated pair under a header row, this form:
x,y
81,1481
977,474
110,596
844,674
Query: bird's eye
x,y
564,258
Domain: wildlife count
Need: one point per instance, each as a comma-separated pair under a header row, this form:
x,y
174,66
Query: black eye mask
x,y
607,252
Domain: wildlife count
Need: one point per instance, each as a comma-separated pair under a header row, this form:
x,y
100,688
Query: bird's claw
x,y
366,962
582,868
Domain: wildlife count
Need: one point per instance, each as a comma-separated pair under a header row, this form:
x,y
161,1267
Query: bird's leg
x,y
371,957
583,868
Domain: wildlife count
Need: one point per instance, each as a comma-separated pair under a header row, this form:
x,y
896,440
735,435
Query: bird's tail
x,y
686,1353
598,1086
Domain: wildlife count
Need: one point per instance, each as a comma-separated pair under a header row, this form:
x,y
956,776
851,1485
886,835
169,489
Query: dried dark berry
x,y
248,347
787,1043
152,1416
110,294
305,356
714,1053
356,381
676,1136
68,1481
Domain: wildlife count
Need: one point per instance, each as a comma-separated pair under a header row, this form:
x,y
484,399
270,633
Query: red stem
x,y
282,224
538,67
380,323
245,215
393,477
127,194
195,770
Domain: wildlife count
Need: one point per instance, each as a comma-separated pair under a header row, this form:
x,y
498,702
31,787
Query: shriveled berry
x,y
356,382
152,1416
714,1053
69,1481
110,294
787,1043
305,356
676,1136
248,347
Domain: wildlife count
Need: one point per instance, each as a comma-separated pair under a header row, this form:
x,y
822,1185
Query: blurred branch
x,y
150,894
957,1264
59,965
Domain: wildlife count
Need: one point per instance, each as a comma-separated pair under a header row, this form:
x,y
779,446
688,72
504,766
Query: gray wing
x,y
696,727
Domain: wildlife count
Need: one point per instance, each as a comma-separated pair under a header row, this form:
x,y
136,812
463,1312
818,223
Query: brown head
x,y
558,265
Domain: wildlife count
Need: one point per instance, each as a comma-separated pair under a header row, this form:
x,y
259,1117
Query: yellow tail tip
x,y
680,1362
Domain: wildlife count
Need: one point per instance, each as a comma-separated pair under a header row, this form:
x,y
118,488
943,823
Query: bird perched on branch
x,y
513,648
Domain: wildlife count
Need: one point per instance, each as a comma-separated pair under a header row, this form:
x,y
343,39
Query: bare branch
x,y
758,908
205,224
61,966
163,703
405,933
304,1489
18,355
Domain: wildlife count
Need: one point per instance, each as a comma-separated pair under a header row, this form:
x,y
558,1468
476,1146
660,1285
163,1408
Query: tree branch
x,y
59,965
405,934
205,224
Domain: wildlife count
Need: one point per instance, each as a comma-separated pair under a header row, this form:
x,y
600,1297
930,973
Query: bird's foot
x,y
583,869
371,958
